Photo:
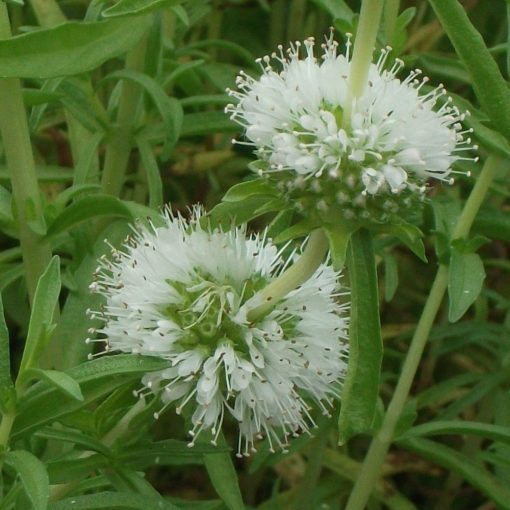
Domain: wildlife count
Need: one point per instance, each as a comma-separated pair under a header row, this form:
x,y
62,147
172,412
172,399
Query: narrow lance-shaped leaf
x,y
490,86
361,387
33,476
7,394
70,48
465,281
223,476
169,108
45,301
60,380
462,465
151,167
130,7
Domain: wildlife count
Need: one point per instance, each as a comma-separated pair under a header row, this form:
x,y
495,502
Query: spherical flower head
x,y
181,292
370,155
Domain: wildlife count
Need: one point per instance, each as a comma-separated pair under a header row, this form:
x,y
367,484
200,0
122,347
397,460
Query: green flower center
x,y
207,310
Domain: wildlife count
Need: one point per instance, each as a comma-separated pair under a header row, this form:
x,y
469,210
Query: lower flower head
x,y
181,292
372,160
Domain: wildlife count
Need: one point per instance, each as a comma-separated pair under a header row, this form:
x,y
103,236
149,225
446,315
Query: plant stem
x,y
119,149
296,20
370,470
295,275
48,12
20,164
391,8
368,26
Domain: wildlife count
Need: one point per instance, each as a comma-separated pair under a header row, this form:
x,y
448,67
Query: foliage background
x,y
126,114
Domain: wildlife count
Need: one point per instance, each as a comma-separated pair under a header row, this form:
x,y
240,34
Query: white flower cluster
x,y
391,140
181,292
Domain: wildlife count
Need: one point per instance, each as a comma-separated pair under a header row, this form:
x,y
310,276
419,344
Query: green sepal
x,y
339,235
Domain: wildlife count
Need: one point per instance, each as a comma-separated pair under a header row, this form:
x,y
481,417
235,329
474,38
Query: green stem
x,y
391,8
373,462
368,26
277,22
119,149
48,12
295,275
20,164
296,20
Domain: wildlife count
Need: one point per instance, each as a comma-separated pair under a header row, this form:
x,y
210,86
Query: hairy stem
x,y
373,462
21,168
368,26
293,277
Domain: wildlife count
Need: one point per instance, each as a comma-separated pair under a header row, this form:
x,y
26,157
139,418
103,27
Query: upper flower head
x,y
181,292
391,141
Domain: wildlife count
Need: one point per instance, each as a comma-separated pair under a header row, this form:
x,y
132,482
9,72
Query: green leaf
x,y
68,435
339,235
410,235
151,167
300,229
43,308
223,476
279,223
130,7
248,189
465,281
69,48
489,85
87,208
493,223
86,158
361,387
7,392
74,321
69,469
112,501
390,276
227,214
486,430
41,404
81,105
169,108
169,452
60,380
33,476
463,465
